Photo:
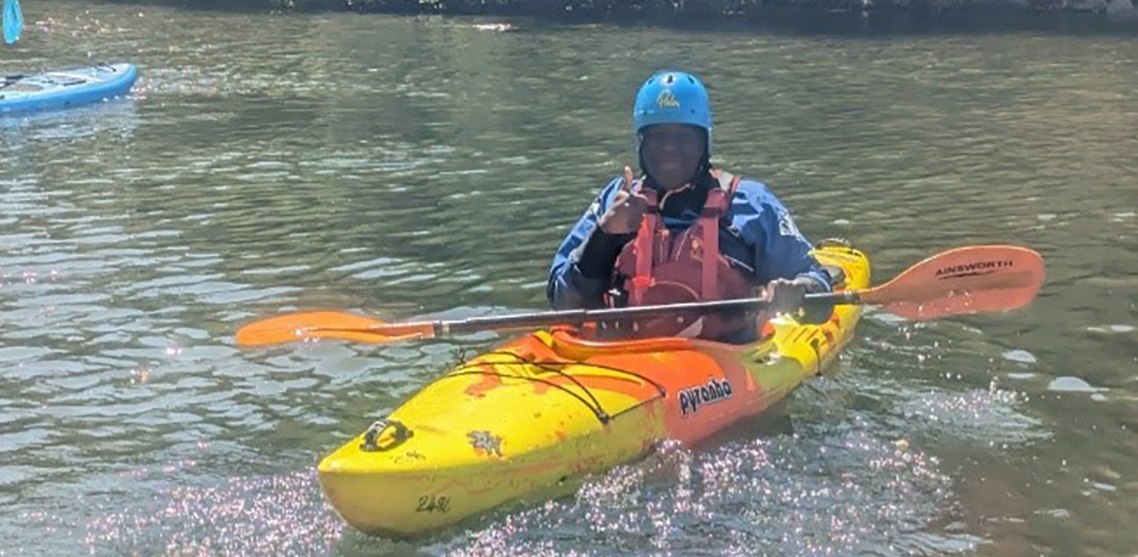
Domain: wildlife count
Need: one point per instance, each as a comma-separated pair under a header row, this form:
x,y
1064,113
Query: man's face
x,y
672,153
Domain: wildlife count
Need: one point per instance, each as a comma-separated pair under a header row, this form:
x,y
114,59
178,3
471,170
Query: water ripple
x,y
428,167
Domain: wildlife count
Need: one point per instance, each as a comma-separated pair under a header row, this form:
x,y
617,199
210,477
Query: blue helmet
x,y
672,98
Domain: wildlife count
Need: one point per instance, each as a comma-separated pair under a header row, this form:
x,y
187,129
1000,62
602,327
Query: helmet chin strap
x,y
704,165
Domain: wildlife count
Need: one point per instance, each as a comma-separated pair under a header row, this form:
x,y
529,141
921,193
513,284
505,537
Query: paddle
x,y
961,281
13,21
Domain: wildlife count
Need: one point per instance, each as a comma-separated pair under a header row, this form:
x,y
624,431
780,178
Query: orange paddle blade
x,y
962,281
316,325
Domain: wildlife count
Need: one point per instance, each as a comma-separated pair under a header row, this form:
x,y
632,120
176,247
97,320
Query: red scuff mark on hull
x,y
490,381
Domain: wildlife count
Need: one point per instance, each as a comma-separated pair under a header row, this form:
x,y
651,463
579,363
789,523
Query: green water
x,y
429,167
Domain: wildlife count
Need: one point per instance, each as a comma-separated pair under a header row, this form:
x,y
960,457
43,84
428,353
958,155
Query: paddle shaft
x,y
961,281
580,316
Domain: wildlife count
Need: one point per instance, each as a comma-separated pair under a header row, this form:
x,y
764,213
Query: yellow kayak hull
x,y
549,408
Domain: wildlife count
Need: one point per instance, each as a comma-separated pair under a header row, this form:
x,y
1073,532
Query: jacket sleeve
x,y
582,267
785,253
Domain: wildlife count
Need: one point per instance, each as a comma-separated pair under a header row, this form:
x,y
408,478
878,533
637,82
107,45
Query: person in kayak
x,y
684,231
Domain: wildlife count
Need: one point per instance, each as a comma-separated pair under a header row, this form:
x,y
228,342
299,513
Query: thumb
x,y
628,180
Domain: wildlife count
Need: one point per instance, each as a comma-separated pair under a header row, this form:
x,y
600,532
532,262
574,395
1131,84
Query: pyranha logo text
x,y
714,390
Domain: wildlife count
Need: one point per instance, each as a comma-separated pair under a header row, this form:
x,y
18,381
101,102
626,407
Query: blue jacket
x,y
762,239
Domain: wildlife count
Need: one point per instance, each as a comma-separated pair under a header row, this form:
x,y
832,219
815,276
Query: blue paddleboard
x,y
21,94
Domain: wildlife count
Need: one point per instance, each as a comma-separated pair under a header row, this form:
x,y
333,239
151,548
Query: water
x,y
429,167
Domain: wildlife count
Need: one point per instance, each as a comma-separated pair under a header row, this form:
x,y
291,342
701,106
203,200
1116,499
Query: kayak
x,y
22,94
551,407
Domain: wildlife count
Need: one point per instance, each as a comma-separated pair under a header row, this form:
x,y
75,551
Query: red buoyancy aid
x,y
664,267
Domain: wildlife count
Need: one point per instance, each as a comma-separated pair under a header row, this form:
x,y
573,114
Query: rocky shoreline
x,y
737,10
